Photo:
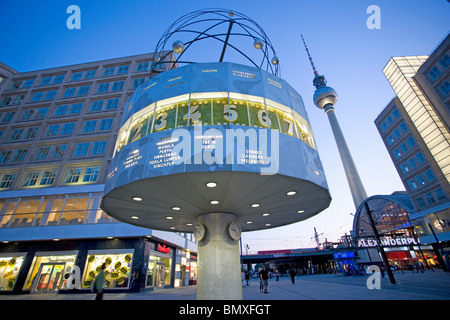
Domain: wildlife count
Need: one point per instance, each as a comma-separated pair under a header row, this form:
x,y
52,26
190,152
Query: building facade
x,y
58,129
414,128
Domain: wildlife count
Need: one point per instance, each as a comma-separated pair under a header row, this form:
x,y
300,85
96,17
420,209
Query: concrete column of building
x,y
219,268
354,181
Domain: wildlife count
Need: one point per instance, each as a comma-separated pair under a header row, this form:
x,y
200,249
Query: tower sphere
x,y
323,96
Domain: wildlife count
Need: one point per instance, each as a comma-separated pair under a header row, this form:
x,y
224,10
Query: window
x,y
73,175
90,74
390,139
106,124
27,114
20,155
430,198
82,175
389,120
142,66
420,180
412,184
30,133
383,124
59,78
420,202
76,108
69,92
50,94
139,81
434,73
99,147
403,126
89,125
18,99
37,96
117,85
397,153
411,163
16,134
122,69
97,105
28,83
396,133
419,157
5,155
395,113
429,175
52,130
58,152
6,101
404,147
67,128
445,61
103,87
61,110
31,178
46,80
112,104
411,141
445,88
91,174
8,117
109,71
48,177
41,113
7,180
404,167
81,149
77,76
440,195
83,90
42,153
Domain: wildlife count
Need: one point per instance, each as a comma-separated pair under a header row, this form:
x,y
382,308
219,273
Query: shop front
x,y
159,270
48,271
10,265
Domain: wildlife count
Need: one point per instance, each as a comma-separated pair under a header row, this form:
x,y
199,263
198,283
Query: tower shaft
x,y
354,181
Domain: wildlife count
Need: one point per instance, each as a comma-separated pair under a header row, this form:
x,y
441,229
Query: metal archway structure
x,y
217,21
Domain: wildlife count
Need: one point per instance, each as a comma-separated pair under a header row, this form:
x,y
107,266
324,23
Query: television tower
x,y
325,98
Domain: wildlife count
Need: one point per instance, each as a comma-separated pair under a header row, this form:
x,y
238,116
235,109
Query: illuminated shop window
x,y
9,269
117,272
50,272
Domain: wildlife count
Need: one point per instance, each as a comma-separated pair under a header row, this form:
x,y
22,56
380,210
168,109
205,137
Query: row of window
x,y
60,129
404,147
389,119
397,133
77,75
61,110
70,92
412,162
430,198
34,178
419,180
443,64
54,152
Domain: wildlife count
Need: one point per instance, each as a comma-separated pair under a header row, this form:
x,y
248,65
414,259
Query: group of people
x,y
263,276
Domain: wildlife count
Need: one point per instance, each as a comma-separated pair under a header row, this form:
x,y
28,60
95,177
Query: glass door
x,y
160,274
49,277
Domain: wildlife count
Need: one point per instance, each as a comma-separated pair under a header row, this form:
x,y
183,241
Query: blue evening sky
x,y
351,56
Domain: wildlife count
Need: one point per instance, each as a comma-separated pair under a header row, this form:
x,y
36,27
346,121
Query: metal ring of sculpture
x,y
218,19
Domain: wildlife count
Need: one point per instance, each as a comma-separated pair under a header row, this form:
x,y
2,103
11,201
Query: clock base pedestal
x,y
219,268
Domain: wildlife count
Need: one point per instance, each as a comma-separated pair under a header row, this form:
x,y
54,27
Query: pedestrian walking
x,y
247,277
99,283
292,275
264,278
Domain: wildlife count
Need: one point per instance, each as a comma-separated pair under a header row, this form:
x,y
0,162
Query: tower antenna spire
x,y
309,56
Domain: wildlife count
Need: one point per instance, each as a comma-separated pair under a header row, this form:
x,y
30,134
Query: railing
x,y
52,218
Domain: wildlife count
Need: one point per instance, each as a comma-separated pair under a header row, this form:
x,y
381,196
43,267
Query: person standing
x,y
292,275
264,278
99,283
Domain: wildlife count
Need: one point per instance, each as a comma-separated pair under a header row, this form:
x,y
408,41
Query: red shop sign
x,y
163,248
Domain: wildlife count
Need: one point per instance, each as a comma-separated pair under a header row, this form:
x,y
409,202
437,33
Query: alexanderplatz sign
x,y
215,149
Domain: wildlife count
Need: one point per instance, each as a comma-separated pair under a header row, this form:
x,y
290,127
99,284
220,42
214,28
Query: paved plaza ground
x,y
409,286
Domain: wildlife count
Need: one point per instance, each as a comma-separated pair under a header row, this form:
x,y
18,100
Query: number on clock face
x,y
160,121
